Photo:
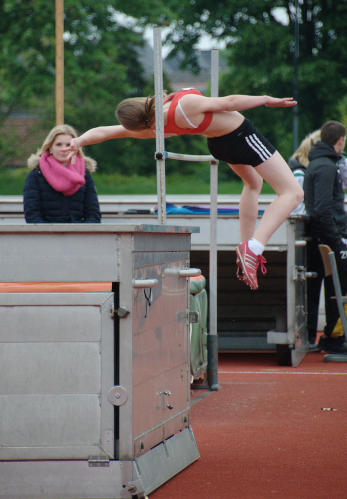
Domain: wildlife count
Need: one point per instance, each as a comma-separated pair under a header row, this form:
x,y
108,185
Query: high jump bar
x,y
186,157
160,156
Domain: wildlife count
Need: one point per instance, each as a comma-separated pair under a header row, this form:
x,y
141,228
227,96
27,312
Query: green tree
x,y
260,53
101,67
103,64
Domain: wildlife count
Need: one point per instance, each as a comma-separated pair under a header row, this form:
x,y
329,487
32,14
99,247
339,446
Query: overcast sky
x,y
206,42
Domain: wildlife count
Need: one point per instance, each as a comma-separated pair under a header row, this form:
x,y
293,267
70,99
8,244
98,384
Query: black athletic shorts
x,y
245,146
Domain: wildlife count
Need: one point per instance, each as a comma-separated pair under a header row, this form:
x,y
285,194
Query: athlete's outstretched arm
x,y
103,133
197,103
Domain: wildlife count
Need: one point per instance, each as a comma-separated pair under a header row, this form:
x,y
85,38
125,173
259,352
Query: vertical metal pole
x,y
212,372
59,62
295,78
159,125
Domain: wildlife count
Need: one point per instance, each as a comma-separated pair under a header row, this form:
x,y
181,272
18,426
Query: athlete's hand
x,y
74,147
280,102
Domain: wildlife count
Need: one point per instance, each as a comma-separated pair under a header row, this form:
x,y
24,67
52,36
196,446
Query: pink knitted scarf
x,y
65,179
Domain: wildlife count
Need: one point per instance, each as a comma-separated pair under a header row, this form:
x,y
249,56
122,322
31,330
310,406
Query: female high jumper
x,y
231,138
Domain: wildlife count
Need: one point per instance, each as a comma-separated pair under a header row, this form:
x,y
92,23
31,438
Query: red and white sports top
x,y
171,126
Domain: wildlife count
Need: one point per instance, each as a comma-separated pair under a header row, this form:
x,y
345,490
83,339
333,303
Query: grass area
x,y
12,183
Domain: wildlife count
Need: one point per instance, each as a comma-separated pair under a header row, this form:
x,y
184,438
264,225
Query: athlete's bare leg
x,y
248,208
277,173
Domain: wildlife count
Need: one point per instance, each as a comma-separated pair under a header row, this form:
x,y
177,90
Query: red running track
x,y
268,432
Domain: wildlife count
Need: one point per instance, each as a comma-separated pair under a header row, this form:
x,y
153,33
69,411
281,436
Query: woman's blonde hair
x,y
136,113
301,154
34,160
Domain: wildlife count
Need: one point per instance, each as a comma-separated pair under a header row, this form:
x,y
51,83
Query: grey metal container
x,y
94,386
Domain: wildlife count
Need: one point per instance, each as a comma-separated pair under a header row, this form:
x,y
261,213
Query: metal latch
x,y
164,397
187,317
98,461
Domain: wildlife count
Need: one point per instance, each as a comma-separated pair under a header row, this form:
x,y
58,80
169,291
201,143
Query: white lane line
x,y
283,372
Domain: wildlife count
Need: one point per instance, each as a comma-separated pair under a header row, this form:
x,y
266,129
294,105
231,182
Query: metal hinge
x,y
98,461
121,312
300,274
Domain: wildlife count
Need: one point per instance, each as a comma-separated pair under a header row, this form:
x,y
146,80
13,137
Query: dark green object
x,y
198,330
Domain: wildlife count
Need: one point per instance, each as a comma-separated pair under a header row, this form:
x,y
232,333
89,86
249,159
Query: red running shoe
x,y
248,265
239,271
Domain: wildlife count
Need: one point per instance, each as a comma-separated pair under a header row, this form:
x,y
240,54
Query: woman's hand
x,y
280,102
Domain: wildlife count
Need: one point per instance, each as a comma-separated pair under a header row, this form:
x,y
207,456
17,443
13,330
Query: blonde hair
x,y
34,160
301,154
137,113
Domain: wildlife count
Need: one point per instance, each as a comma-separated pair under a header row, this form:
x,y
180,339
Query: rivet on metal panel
x,y
117,395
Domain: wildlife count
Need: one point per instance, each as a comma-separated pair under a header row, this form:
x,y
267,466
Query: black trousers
x,y
315,264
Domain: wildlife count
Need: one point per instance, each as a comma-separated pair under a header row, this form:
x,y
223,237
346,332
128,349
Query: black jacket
x,y
324,195
43,204
294,164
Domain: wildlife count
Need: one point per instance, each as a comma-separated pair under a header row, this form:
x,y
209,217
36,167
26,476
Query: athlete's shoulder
x,y
190,91
186,91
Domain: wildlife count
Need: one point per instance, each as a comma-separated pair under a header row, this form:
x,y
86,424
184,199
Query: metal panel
x,y
167,459
49,317
65,479
118,479
296,290
59,257
153,257
166,242
160,352
125,359
58,367
228,230
54,379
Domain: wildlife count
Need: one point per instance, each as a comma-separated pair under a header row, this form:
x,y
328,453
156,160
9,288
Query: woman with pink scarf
x,y
57,191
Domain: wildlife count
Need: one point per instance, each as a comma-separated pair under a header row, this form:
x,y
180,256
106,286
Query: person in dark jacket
x,y
324,202
57,191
